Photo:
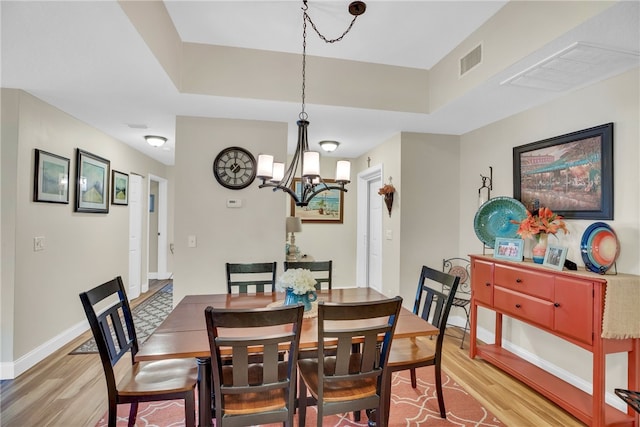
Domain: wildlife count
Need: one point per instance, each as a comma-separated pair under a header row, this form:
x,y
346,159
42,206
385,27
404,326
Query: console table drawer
x,y
525,307
532,283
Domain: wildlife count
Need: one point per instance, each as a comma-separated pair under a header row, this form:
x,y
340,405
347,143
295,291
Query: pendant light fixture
x,y
273,173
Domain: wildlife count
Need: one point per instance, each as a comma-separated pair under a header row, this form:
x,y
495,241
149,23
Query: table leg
x,y
204,391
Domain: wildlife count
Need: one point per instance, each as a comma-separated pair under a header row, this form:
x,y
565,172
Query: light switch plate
x,y
192,242
38,244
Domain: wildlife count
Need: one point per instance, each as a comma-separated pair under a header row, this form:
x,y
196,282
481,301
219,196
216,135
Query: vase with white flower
x,y
539,225
299,285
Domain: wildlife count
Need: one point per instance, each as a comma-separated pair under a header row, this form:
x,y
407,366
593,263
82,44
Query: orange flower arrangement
x,y
542,221
386,189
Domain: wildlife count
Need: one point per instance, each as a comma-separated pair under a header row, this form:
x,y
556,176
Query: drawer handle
x,y
518,306
557,304
518,280
487,284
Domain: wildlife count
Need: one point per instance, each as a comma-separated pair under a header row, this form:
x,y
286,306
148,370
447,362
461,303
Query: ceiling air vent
x,y
470,60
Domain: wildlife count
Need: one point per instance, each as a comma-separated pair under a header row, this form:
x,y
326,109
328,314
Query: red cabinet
x,y
565,304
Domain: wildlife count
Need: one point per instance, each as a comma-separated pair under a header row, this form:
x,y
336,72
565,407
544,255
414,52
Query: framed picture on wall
x,y
326,207
51,178
570,174
119,188
92,183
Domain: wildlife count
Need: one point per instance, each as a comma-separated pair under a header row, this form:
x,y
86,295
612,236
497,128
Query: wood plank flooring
x,y
69,390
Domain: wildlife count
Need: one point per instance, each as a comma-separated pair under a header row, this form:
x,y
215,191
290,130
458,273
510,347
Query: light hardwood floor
x,y
69,390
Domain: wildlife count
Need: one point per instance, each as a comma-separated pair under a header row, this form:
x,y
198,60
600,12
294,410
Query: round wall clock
x,y
235,168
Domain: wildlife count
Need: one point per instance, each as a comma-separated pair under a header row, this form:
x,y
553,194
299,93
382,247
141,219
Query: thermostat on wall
x,y
234,203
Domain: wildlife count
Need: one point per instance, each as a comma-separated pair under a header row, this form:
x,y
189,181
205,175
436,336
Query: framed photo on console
x,y
554,257
508,249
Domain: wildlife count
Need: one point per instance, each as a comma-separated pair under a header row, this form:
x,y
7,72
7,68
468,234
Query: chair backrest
x,y
252,364
322,271
460,267
260,277
437,304
371,323
112,327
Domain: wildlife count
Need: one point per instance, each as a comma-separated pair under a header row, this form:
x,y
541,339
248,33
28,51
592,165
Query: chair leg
x,y
133,413
302,402
189,410
414,381
443,412
113,414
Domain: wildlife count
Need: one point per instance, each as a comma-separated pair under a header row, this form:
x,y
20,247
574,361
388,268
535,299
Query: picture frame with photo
x,y
92,183
508,249
119,188
555,256
51,178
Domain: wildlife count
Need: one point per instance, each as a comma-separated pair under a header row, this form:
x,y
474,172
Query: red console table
x,y
569,305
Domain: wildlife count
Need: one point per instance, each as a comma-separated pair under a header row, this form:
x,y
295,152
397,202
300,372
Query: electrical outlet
x,y
191,242
38,244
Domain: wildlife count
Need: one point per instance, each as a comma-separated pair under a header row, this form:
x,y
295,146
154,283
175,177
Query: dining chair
x,y
322,271
250,391
259,277
412,353
348,381
115,335
460,267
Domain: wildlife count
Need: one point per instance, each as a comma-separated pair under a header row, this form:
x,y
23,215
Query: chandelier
x,y
272,173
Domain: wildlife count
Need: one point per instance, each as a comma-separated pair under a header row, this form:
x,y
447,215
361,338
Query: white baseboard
x,y
11,370
485,335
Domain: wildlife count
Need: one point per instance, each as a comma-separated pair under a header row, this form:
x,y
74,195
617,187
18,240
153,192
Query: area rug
x,y
409,407
147,316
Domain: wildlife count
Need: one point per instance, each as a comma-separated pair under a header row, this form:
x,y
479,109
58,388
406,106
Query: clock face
x,y
234,168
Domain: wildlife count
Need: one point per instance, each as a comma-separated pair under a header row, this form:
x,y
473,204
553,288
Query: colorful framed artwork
x,y
508,249
326,207
119,188
92,183
554,257
51,178
570,174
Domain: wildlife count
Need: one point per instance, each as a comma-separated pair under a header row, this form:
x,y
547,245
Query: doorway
x,y
369,229
157,244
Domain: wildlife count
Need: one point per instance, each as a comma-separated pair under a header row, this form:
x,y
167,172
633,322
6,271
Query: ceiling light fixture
x,y
329,146
273,173
155,141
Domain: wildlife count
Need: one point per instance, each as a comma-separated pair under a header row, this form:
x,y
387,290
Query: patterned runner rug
x,y
147,316
409,407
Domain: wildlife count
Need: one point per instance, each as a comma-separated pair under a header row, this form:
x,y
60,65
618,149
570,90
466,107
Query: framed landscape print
x,y
570,174
92,183
51,178
119,188
325,207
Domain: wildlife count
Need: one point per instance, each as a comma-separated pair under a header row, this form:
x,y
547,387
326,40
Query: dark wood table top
x,y
184,332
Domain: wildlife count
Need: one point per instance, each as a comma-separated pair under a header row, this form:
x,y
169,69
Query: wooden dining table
x,y
183,334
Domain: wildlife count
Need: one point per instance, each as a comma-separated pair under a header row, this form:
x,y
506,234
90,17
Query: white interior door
x,y
374,265
159,233
135,234
369,229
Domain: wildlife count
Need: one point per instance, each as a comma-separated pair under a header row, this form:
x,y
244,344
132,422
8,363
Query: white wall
x,y
40,305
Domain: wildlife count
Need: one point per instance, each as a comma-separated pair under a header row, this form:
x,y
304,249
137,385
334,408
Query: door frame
x,y
161,232
362,223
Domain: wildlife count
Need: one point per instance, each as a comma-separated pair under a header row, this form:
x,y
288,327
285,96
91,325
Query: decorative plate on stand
x,y
599,247
493,219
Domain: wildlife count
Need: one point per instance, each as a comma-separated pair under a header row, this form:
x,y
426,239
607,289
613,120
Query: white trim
x,y
10,370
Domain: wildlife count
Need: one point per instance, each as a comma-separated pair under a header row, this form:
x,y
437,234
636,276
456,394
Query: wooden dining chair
x,y
321,270
412,353
115,335
348,381
259,277
249,390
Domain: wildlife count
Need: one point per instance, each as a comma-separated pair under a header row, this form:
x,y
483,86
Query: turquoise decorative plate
x,y
493,219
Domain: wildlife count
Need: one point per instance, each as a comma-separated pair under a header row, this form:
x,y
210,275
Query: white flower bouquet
x,y
300,280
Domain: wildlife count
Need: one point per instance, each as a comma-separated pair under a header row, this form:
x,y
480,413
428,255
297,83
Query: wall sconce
x,y
484,192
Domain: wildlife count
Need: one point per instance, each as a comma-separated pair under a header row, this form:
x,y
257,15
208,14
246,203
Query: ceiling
x,y
87,59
